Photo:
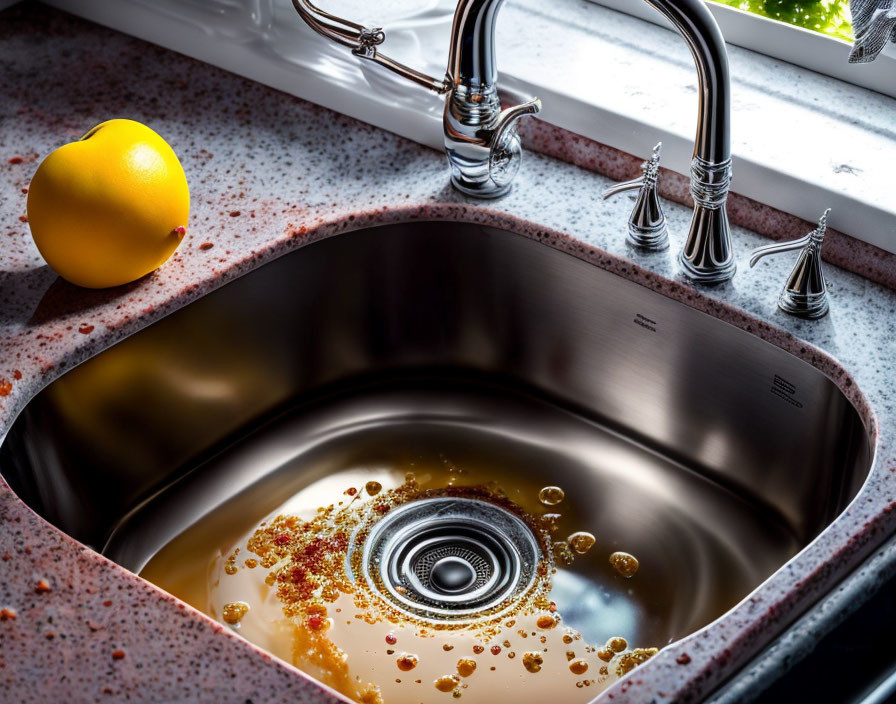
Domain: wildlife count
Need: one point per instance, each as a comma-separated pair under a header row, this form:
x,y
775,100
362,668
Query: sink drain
x,y
450,559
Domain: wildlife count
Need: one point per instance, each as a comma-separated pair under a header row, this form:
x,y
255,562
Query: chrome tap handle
x,y
505,150
363,42
805,293
647,223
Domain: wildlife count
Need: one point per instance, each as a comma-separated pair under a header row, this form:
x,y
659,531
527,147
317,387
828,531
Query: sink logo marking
x,y
645,322
785,390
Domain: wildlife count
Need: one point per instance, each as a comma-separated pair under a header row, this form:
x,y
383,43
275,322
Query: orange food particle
x,y
42,586
617,644
466,667
407,662
578,667
448,683
546,622
233,612
7,614
624,564
533,661
118,654
5,387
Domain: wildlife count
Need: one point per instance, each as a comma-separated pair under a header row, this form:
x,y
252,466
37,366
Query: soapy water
x,y
295,585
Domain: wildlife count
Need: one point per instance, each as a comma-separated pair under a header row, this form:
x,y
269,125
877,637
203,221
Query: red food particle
x,y
683,659
281,539
5,387
553,607
108,602
16,160
351,491
205,246
496,650
17,375
23,218
381,508
85,329
234,213
315,622
7,614
24,190
6,556
391,639
118,654
180,231
42,586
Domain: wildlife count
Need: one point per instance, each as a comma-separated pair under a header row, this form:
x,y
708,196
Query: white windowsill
x,y
801,141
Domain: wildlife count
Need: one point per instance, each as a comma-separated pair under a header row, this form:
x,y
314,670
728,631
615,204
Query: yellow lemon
x,y
111,207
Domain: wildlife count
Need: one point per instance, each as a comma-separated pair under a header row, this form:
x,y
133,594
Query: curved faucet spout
x,y
471,51
696,24
707,256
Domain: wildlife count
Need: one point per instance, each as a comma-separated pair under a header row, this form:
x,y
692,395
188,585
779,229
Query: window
x,y
830,17
824,49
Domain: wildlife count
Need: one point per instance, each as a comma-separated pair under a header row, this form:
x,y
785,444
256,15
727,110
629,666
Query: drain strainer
x,y
450,559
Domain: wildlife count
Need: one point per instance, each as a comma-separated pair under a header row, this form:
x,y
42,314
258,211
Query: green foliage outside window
x,y
829,17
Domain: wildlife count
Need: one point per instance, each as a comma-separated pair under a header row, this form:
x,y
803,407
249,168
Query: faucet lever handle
x,y
647,223
505,152
805,293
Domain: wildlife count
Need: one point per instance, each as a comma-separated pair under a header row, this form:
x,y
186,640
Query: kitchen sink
x,y
708,453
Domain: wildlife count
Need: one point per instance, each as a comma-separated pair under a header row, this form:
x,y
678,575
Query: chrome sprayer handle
x,y
363,42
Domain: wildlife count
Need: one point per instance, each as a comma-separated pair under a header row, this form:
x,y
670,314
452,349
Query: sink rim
x,y
663,669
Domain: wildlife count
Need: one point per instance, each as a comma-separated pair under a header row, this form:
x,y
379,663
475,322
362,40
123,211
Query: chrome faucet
x,y
481,139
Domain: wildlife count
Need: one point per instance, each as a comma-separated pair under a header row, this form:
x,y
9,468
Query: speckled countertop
x,y
268,174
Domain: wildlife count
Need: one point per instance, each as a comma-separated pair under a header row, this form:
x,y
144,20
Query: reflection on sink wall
x,y
757,448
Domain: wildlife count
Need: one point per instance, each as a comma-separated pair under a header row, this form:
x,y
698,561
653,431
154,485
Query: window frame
x,y
780,40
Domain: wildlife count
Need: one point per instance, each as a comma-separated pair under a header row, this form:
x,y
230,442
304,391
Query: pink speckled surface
x,y
269,174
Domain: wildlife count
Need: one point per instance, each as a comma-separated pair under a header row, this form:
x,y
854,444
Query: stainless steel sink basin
x,y
708,453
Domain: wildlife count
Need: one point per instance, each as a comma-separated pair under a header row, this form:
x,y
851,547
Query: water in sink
x,y
422,544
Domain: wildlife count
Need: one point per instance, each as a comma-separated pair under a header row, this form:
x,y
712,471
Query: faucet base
x,y
646,239
710,276
804,305
485,189
707,257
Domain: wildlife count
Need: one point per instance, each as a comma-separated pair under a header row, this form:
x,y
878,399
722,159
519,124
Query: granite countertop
x,y
268,174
